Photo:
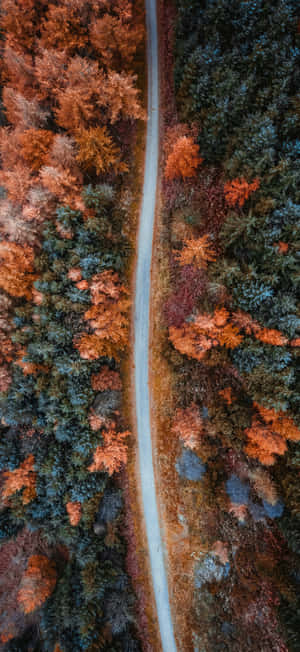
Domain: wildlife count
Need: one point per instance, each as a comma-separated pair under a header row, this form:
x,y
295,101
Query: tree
x,y
189,342
280,422
229,336
27,366
17,21
63,153
19,71
74,510
196,251
16,269
37,584
61,182
226,394
75,110
188,426
23,113
35,145
122,97
63,28
106,379
24,478
107,316
183,160
10,147
238,191
282,247
264,444
14,225
17,181
268,434
112,454
270,336
50,73
196,337
116,38
97,151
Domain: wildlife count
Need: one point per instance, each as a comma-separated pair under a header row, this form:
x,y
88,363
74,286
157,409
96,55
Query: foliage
x,y
70,101
96,150
23,478
183,159
188,425
37,583
196,252
237,191
236,74
16,269
113,454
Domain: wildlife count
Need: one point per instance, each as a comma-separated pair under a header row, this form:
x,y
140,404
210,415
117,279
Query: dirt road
x,y
157,553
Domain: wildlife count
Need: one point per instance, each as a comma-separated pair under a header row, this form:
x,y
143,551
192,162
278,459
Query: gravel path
x,y
157,552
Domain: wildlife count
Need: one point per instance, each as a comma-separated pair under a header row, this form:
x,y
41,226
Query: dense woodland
x,y
231,212
69,107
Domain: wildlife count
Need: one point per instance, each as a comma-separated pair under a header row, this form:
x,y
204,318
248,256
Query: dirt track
x,y
157,552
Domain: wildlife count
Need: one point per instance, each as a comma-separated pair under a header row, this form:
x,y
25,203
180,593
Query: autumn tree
x,y
14,225
117,37
195,337
226,394
269,433
37,584
107,317
35,145
238,190
189,342
10,147
50,73
188,426
183,160
19,71
14,555
16,269
63,27
97,151
63,153
17,21
197,251
106,379
112,454
27,366
61,182
74,511
17,182
21,112
82,93
270,336
24,477
122,97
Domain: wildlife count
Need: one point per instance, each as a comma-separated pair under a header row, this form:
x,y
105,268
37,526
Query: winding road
x,y
157,553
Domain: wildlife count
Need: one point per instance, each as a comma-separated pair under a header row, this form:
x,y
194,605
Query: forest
x,y
231,318
224,323
70,105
